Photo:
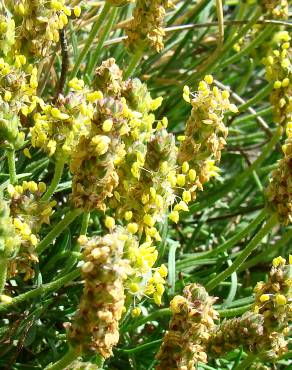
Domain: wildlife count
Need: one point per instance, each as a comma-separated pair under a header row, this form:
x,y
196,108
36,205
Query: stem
x,y
105,33
85,221
43,289
268,252
171,266
135,60
215,54
90,39
220,16
247,362
159,314
233,312
141,348
55,181
65,62
65,361
3,273
272,221
256,98
236,238
11,166
57,230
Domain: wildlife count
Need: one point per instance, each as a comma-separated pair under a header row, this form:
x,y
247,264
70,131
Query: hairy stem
x,y
134,62
70,356
43,289
55,181
11,166
57,230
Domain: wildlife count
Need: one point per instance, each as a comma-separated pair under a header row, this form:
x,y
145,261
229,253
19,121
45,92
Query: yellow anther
x,y
77,11
174,216
107,125
109,222
132,227
264,298
209,79
280,299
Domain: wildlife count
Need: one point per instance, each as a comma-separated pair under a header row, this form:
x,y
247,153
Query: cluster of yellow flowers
x,y
192,322
116,270
273,301
95,327
38,23
18,83
233,333
204,137
7,33
279,72
278,9
58,128
127,161
279,190
146,31
28,213
144,281
193,334
9,240
124,161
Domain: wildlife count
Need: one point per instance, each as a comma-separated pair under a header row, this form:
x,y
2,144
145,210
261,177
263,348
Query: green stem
x,y
55,181
220,16
135,60
91,37
43,289
235,239
103,36
65,361
141,348
85,221
272,221
233,312
57,230
269,252
3,273
256,98
245,364
249,117
11,166
171,266
159,314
